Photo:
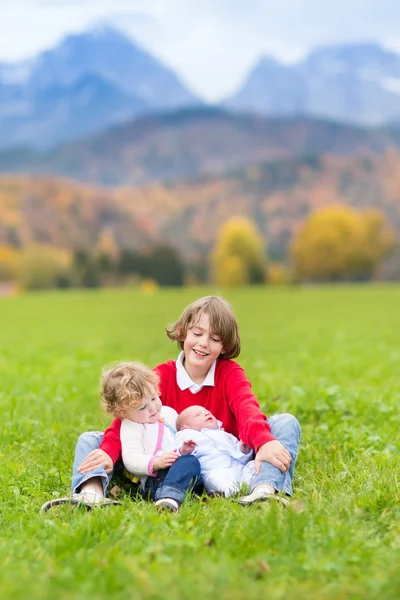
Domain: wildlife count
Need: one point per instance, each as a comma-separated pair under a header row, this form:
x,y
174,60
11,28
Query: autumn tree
x,y
107,251
239,256
379,240
277,274
42,266
337,242
8,264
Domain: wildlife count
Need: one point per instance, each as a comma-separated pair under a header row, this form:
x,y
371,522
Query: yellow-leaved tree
x,y
42,266
239,256
8,264
379,240
327,246
338,243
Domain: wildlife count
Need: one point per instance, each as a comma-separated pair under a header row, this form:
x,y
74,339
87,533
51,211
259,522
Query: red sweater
x,y
230,400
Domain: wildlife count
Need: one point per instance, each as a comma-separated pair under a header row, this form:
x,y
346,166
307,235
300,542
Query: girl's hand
x,y
188,447
165,460
275,453
96,458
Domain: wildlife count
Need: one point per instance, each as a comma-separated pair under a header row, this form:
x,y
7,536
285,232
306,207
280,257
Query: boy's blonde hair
x,y
222,322
123,386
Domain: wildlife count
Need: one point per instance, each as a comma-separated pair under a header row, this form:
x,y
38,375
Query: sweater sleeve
x,y
111,443
252,423
162,371
133,456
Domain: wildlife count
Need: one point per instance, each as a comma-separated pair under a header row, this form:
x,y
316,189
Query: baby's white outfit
x,y
224,467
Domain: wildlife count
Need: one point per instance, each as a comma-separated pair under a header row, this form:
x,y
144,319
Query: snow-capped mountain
x,y
359,83
86,83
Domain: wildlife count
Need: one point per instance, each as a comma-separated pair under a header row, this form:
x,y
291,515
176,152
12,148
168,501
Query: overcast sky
x,y
210,43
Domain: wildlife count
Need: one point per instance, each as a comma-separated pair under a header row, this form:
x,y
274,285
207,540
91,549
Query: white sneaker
x,y
88,497
167,503
260,495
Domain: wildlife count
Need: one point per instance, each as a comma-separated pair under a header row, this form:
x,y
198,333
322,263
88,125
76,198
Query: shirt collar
x,y
183,378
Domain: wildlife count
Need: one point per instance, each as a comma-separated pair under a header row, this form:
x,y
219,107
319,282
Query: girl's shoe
x,y
167,503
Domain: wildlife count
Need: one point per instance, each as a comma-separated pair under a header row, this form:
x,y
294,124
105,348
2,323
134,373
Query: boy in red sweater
x,y
204,374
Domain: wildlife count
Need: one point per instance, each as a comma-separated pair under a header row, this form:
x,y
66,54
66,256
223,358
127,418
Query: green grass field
x,y
329,355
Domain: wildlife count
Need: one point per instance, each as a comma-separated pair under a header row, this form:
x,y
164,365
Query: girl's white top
x,y
139,442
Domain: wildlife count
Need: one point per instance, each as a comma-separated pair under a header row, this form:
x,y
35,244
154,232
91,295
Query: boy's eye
x,y
154,399
196,334
143,407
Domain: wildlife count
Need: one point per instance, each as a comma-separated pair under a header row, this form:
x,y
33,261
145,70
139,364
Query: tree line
x,y
335,243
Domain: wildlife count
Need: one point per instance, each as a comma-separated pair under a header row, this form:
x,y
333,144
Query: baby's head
x,y
196,417
130,391
222,322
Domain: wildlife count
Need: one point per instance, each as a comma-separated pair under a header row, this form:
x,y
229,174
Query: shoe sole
x,y
74,502
275,497
168,507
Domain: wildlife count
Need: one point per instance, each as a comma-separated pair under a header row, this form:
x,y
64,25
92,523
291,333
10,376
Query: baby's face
x,y
197,417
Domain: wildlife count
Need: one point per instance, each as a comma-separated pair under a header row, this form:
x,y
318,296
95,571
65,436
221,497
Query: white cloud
x,y
210,43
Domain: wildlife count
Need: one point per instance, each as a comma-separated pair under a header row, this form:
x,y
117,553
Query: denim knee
x,y
91,439
191,463
285,421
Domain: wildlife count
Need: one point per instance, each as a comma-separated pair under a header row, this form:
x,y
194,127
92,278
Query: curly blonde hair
x,y
222,322
124,385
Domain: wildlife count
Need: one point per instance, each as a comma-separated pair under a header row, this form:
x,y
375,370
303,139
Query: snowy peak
x,y
354,82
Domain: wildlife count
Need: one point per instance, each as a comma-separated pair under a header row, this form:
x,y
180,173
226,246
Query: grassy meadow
x,y
330,356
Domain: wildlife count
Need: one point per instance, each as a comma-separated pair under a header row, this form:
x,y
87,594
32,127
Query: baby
x,y
225,461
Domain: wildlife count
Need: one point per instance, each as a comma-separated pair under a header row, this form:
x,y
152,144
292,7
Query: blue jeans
x,y
87,442
169,483
286,429
174,482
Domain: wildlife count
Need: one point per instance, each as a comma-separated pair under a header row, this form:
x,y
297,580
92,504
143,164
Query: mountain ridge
x,y
358,83
136,82
170,146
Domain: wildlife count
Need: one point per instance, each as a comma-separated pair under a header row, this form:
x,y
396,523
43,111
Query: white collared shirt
x,y
184,380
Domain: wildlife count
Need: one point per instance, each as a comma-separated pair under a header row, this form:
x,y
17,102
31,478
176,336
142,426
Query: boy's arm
x,y
244,449
254,430
111,443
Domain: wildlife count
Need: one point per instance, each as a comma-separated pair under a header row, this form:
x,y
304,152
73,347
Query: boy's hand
x,y
275,453
165,460
243,448
96,458
188,447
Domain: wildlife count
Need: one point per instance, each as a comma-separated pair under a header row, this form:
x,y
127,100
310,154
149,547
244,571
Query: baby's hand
x,y
243,448
188,447
165,460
